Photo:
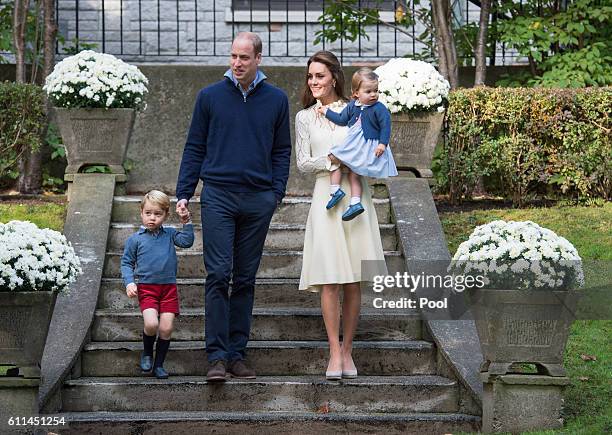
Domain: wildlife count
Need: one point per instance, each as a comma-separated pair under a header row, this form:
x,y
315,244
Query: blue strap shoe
x,y
146,362
335,198
160,373
352,212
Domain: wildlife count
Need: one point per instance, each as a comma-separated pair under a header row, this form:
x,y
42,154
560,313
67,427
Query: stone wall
x,y
160,131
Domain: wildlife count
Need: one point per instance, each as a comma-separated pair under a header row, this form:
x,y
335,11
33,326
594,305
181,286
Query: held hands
x,y
380,149
182,211
184,216
131,290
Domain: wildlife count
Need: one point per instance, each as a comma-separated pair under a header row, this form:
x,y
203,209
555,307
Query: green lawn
x,y
44,214
588,400
588,228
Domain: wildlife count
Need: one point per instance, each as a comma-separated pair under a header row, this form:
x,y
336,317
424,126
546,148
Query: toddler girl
x,y
365,151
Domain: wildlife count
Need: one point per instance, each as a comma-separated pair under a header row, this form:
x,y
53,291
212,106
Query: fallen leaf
x,y
584,378
585,357
323,409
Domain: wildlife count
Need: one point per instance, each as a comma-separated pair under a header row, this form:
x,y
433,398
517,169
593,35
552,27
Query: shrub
x,y
22,117
551,142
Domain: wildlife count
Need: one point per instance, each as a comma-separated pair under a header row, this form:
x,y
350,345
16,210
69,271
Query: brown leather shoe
x,y
238,369
216,371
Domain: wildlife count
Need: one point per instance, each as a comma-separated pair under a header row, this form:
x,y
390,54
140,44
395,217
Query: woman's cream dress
x,y
333,249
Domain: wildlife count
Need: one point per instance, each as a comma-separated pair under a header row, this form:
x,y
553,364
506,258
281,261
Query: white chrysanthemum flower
x,y
88,79
35,259
520,255
411,85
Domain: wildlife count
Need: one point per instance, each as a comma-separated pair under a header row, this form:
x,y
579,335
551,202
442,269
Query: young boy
x,y
150,258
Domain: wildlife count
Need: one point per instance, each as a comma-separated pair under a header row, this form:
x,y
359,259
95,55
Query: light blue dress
x,y
357,153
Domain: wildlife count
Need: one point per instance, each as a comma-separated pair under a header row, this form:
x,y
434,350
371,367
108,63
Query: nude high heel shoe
x,y
332,375
349,373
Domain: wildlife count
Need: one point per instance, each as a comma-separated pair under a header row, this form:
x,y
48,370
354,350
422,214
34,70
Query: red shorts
x,y
162,297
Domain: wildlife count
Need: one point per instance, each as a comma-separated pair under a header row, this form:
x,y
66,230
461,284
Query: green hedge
x,y
22,116
526,143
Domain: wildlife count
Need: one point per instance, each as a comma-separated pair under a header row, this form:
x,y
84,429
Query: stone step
x,y
281,292
422,393
268,292
268,358
268,324
171,423
280,236
274,264
293,210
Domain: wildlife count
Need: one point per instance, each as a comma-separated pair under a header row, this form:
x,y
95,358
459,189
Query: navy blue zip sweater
x,y
237,143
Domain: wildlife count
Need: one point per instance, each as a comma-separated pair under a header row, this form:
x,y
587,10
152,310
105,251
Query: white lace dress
x,y
333,249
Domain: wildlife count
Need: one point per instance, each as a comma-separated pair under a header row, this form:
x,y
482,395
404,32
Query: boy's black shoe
x,y
146,362
238,369
216,371
160,373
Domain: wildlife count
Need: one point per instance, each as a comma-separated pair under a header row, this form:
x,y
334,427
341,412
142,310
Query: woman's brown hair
x,y
330,60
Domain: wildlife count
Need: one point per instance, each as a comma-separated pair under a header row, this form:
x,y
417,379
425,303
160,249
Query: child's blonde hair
x,y
362,75
158,198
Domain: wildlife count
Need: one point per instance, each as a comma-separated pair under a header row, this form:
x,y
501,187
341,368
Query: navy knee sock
x,y
160,352
148,341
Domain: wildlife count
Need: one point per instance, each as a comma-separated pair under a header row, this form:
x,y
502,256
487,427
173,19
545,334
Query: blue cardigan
x,y
375,120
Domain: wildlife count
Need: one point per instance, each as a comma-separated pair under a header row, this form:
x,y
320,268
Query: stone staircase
x,y
402,387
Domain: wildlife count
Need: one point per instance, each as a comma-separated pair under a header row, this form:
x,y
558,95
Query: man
x,y
239,145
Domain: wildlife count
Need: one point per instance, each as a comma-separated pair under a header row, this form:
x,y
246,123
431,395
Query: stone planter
x,y
413,140
523,327
520,403
95,137
24,322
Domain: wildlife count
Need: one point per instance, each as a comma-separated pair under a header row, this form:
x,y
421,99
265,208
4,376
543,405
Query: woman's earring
x,y
334,84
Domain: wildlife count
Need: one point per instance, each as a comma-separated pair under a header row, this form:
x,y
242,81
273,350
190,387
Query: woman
x,y
333,249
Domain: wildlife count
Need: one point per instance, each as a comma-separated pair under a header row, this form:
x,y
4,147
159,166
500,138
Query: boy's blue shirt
x,y
150,258
375,120
237,141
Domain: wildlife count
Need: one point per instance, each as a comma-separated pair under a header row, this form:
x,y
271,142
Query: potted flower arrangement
x,y
35,264
416,95
526,304
96,96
